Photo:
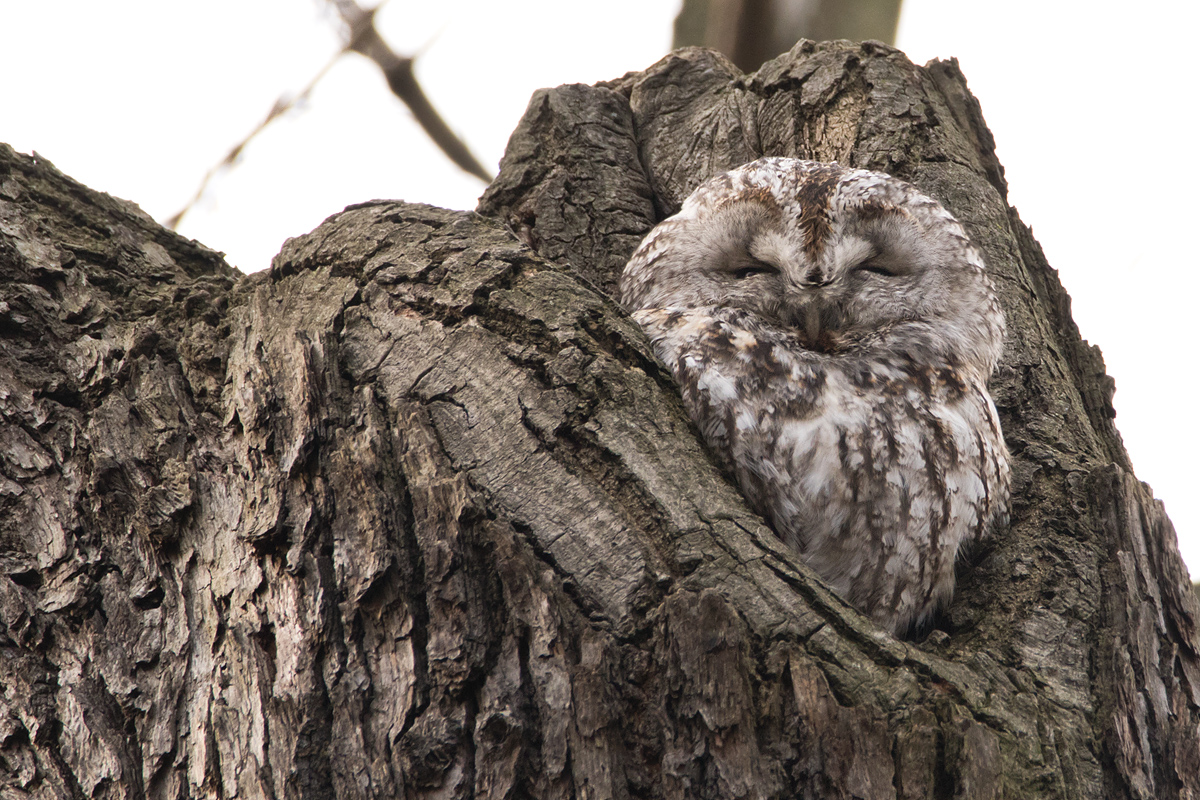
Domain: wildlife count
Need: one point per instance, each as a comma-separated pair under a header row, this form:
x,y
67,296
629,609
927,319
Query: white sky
x,y
139,98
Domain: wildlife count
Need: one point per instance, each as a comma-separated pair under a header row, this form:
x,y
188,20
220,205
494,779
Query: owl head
x,y
849,261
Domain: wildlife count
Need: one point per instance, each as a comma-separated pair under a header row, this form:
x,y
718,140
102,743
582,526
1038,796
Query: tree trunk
x,y
749,32
415,513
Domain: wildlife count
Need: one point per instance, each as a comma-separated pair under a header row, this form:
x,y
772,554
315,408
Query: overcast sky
x,y
1094,115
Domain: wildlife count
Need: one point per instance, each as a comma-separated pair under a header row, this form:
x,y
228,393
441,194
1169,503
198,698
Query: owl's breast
x,y
877,470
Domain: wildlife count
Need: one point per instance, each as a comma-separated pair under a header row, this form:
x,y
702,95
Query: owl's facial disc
x,y
800,292
842,292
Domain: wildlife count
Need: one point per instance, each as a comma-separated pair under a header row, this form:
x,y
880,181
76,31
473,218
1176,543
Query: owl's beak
x,y
817,319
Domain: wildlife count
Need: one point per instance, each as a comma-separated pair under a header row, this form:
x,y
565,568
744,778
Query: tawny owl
x,y
833,331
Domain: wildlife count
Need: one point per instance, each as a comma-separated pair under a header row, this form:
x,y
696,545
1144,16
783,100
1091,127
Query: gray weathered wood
x,y
415,512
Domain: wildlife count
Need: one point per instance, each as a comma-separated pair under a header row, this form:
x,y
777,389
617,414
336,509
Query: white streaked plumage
x,y
832,331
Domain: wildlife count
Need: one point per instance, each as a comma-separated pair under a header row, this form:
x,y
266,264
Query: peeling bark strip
x,y
416,514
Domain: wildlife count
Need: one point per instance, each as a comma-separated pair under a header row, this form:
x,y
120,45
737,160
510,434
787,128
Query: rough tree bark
x,y
416,514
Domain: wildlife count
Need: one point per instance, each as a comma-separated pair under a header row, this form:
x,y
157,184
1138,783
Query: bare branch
x,y
398,71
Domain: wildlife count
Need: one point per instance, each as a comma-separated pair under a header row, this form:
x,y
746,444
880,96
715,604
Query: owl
x,y
832,331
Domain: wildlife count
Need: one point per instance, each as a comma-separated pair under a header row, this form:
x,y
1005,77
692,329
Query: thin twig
x,y
398,70
282,105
